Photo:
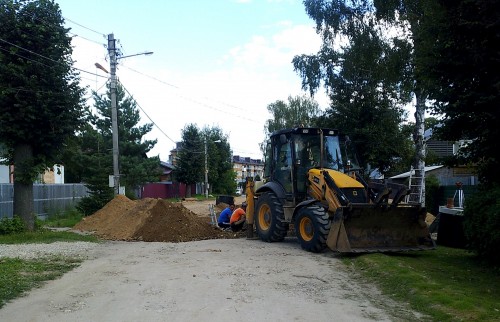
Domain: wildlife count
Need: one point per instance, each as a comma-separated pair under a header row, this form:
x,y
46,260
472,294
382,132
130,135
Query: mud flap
x,y
368,228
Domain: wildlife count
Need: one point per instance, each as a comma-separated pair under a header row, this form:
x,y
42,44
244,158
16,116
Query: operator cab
x,y
291,153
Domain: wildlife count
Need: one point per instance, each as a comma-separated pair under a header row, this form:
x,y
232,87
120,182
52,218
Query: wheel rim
x,y
306,229
264,217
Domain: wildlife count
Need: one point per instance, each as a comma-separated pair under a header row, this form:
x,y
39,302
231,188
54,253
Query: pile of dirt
x,y
149,220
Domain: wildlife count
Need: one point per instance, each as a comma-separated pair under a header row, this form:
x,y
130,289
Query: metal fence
x,y
48,198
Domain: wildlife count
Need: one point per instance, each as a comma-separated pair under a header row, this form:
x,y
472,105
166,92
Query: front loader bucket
x,y
369,228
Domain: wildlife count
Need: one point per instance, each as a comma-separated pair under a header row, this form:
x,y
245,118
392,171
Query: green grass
x,y
68,218
44,236
18,276
446,284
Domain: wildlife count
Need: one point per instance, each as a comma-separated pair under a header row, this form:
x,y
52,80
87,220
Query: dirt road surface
x,y
210,280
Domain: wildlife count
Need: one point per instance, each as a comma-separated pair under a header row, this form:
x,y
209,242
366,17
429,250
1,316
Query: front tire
x,y
312,226
270,218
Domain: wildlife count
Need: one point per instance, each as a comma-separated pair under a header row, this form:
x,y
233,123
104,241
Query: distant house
x,y
52,175
167,186
446,176
442,149
172,158
166,171
247,167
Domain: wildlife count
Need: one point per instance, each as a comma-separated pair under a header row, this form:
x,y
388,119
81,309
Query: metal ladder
x,y
415,185
213,215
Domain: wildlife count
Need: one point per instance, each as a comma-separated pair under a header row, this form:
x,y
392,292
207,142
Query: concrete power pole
x,y
114,113
206,169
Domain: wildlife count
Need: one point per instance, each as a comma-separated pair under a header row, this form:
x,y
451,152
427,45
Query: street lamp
x,y
114,114
206,166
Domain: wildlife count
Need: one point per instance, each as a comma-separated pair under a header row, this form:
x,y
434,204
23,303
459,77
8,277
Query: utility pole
x,y
206,169
114,113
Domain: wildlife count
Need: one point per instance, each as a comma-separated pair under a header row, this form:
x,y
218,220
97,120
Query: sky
x,y
214,62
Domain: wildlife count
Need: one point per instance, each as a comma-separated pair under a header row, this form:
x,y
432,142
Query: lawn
x,y
445,284
18,276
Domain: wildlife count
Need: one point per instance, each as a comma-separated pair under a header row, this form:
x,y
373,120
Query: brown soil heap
x,y
149,220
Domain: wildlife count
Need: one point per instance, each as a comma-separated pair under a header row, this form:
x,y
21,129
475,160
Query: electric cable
x,y
42,56
140,107
197,101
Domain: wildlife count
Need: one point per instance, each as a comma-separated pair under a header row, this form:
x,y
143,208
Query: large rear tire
x,y
312,226
270,218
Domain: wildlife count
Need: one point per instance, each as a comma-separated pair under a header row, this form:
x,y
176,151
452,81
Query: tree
x,y
40,97
93,159
89,160
461,65
190,163
458,63
221,175
298,111
190,166
365,72
135,166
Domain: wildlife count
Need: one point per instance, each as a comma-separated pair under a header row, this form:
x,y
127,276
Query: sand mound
x,y
149,220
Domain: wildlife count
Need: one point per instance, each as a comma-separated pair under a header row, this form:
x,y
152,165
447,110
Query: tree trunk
x,y
23,185
419,164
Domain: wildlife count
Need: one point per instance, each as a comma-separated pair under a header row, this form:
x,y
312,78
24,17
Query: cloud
x,y
232,94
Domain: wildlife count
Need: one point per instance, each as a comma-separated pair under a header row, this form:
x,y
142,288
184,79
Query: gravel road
x,y
212,280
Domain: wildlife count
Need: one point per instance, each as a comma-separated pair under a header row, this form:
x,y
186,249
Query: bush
x,y
11,226
432,194
482,223
98,198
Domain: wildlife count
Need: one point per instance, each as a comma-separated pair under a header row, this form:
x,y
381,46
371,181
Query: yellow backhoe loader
x,y
310,184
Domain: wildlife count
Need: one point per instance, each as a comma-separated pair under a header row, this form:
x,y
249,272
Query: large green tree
x,y
221,175
460,64
365,72
190,167
87,159
298,111
90,158
136,168
40,97
190,163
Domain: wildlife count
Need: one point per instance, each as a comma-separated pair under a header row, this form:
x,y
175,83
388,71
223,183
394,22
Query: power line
x,y
166,83
42,56
154,123
76,23
19,55
197,101
90,40
50,24
149,76
30,90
